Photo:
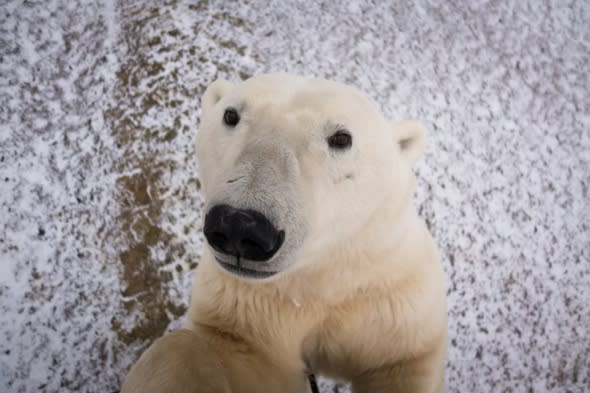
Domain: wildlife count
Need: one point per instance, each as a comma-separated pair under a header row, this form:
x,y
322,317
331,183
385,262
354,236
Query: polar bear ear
x,y
215,92
410,135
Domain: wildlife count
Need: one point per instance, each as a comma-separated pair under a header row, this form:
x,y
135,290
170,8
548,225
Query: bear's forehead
x,y
293,94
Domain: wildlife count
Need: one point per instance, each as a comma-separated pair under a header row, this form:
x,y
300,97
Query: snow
x,y
100,206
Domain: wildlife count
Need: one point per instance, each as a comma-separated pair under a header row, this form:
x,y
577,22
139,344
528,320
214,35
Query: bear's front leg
x,y
179,362
203,361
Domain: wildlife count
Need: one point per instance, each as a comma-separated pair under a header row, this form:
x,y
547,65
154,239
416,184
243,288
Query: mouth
x,y
244,272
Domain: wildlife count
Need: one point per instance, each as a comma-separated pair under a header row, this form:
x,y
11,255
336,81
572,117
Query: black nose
x,y
242,233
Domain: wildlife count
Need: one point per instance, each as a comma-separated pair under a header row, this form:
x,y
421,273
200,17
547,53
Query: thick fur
x,y
358,293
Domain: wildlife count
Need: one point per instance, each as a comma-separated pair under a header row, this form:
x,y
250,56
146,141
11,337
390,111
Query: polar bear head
x,y
293,167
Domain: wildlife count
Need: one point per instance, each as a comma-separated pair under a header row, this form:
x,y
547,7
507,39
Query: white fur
x,y
359,294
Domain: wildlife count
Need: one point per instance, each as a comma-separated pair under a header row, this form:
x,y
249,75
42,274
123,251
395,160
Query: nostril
x,y
217,238
261,247
220,242
252,246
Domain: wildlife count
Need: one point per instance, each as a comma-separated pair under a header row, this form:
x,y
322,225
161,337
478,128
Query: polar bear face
x,y
293,167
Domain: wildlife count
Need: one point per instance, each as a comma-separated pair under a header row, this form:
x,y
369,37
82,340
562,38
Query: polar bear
x,y
316,260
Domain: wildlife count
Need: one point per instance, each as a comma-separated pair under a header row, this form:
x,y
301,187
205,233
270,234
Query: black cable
x,y
313,383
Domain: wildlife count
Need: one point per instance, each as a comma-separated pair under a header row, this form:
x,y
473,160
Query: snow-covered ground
x,y
99,193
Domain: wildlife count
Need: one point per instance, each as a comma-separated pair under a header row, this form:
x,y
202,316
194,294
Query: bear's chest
x,y
357,337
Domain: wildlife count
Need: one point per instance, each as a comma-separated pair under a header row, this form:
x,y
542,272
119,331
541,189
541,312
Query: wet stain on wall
x,y
155,112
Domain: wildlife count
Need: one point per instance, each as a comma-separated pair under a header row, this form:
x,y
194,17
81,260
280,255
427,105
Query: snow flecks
x,y
57,201
100,206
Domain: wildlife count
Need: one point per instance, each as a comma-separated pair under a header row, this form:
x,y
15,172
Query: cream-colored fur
x,y
359,292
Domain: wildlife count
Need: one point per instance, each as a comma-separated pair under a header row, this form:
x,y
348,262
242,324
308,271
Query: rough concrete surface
x,y
100,211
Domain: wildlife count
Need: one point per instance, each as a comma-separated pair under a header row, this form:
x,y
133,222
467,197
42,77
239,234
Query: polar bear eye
x,y
231,117
340,140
